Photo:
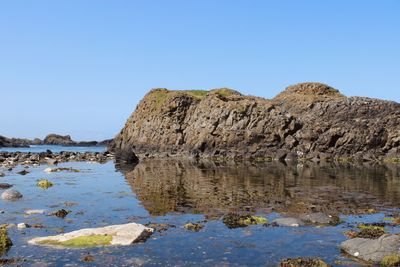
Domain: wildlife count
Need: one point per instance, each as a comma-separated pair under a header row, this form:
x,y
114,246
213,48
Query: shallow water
x,y
177,192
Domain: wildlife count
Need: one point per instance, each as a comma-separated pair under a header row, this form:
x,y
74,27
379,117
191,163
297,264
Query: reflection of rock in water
x,y
165,186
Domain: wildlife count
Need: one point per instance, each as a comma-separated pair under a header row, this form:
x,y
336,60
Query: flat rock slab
x,y
288,222
374,250
122,235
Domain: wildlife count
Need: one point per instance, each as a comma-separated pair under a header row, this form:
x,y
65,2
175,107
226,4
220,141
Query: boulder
x,y
11,194
374,250
115,235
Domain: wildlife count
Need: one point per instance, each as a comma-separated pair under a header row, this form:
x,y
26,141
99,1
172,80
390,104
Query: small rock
x,y
11,194
22,226
88,258
288,222
32,212
23,172
2,174
5,186
62,213
194,226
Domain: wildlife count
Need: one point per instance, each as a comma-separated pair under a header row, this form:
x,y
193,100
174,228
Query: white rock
x,y
32,212
122,235
21,226
48,170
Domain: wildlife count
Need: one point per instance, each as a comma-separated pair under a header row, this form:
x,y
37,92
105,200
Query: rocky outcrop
x,y
14,142
55,139
308,120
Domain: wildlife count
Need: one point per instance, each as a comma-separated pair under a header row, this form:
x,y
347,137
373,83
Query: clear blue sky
x,y
80,67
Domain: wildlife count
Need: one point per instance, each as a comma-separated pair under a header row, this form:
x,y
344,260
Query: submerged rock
x,y
374,250
49,170
288,222
11,194
62,213
194,226
303,262
233,220
321,219
122,235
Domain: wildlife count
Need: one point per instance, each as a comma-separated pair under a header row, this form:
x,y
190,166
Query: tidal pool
x,y
176,192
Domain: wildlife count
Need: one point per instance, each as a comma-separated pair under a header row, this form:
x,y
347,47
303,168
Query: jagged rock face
x,y
308,119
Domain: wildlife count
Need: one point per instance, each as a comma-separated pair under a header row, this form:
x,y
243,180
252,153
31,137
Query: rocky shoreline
x,y
12,159
308,121
51,139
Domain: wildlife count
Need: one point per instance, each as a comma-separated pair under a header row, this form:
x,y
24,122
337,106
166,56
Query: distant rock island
x,y
311,121
51,139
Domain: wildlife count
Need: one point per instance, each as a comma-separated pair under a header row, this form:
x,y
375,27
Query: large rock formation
x,y
309,120
13,142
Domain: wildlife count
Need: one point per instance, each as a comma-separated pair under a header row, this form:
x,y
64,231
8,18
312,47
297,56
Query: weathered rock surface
x,y
122,235
11,194
308,120
374,250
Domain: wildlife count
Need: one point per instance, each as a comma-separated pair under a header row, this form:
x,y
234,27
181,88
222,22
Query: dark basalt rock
x,y
310,121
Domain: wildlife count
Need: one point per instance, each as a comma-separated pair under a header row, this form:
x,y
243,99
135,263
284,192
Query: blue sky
x,y
80,67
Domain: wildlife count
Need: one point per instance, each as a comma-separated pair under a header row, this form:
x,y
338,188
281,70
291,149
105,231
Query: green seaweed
x,y
81,241
44,184
5,241
391,260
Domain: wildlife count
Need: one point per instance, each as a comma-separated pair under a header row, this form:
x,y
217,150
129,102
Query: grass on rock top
x,y
159,96
81,241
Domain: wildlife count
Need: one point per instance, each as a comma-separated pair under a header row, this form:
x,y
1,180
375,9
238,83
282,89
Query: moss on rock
x,y
391,260
81,241
5,241
233,220
44,184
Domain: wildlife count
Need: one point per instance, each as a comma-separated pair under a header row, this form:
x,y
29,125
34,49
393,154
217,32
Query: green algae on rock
x,y
122,235
5,241
44,184
303,262
233,220
391,260
81,241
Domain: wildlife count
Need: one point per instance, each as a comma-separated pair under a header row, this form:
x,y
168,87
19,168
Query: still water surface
x,y
176,192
